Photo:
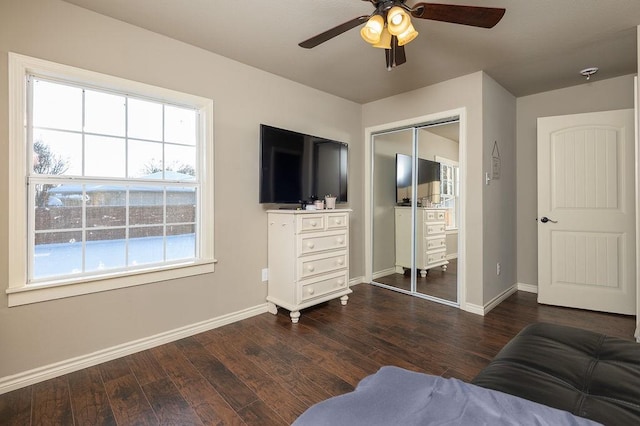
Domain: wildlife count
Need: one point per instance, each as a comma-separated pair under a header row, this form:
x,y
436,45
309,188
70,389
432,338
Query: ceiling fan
x,y
389,26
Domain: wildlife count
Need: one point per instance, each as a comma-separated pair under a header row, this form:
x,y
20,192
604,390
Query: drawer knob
x,y
340,240
310,290
310,268
338,221
313,223
340,282
310,244
340,261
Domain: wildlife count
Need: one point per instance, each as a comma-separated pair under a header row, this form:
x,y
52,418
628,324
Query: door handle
x,y
546,219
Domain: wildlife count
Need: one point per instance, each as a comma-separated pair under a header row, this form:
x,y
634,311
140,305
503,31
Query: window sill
x,y
35,293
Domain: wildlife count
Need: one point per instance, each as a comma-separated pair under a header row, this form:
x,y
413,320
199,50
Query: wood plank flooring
x,y
267,371
437,283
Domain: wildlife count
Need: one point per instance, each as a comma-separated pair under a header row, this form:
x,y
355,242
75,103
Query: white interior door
x,y
586,211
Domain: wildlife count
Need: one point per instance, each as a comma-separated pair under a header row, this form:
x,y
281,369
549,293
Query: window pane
x,y
145,158
57,153
104,156
57,216
107,206
106,249
180,159
181,242
146,245
181,205
68,195
57,106
105,195
57,253
179,125
144,120
146,205
104,113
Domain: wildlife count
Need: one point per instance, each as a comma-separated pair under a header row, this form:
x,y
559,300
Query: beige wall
x,y
498,204
39,334
384,195
430,145
611,94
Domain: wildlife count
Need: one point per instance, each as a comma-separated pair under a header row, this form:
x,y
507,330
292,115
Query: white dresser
x,y
308,258
431,241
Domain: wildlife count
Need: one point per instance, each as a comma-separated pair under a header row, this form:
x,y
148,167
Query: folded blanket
x,y
394,396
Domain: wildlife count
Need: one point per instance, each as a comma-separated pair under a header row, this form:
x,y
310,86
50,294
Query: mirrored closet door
x,y
415,196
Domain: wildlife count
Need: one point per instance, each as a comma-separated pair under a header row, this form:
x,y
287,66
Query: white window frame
x,y
21,293
456,187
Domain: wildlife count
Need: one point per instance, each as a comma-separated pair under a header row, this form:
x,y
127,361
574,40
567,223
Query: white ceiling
x,y
538,45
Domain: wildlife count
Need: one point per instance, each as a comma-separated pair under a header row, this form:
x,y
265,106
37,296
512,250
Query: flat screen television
x,y
296,167
428,180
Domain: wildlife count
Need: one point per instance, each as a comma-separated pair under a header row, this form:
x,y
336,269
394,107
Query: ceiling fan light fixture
x,y
397,20
385,40
372,30
407,36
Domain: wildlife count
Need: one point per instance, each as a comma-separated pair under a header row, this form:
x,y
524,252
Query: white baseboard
x,y
474,309
483,310
452,256
529,288
356,280
36,375
383,273
500,298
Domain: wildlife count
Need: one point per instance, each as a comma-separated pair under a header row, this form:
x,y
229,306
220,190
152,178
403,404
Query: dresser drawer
x,y
323,286
434,215
321,241
310,266
436,228
337,221
311,223
436,257
436,243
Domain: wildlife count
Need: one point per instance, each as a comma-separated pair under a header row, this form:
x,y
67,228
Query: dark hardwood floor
x,y
437,283
265,370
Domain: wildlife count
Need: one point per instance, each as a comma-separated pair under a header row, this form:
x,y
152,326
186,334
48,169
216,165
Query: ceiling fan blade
x,y
333,32
485,17
395,56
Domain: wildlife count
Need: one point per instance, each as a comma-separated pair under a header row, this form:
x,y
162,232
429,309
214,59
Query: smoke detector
x,y
588,72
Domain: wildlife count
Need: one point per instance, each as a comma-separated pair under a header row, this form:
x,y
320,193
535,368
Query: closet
x,y
415,209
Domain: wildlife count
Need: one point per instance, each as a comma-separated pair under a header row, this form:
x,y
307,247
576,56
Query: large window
x,y
117,178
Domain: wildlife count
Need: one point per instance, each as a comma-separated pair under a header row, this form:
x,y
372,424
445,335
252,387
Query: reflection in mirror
x,y
436,230
385,192
433,271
